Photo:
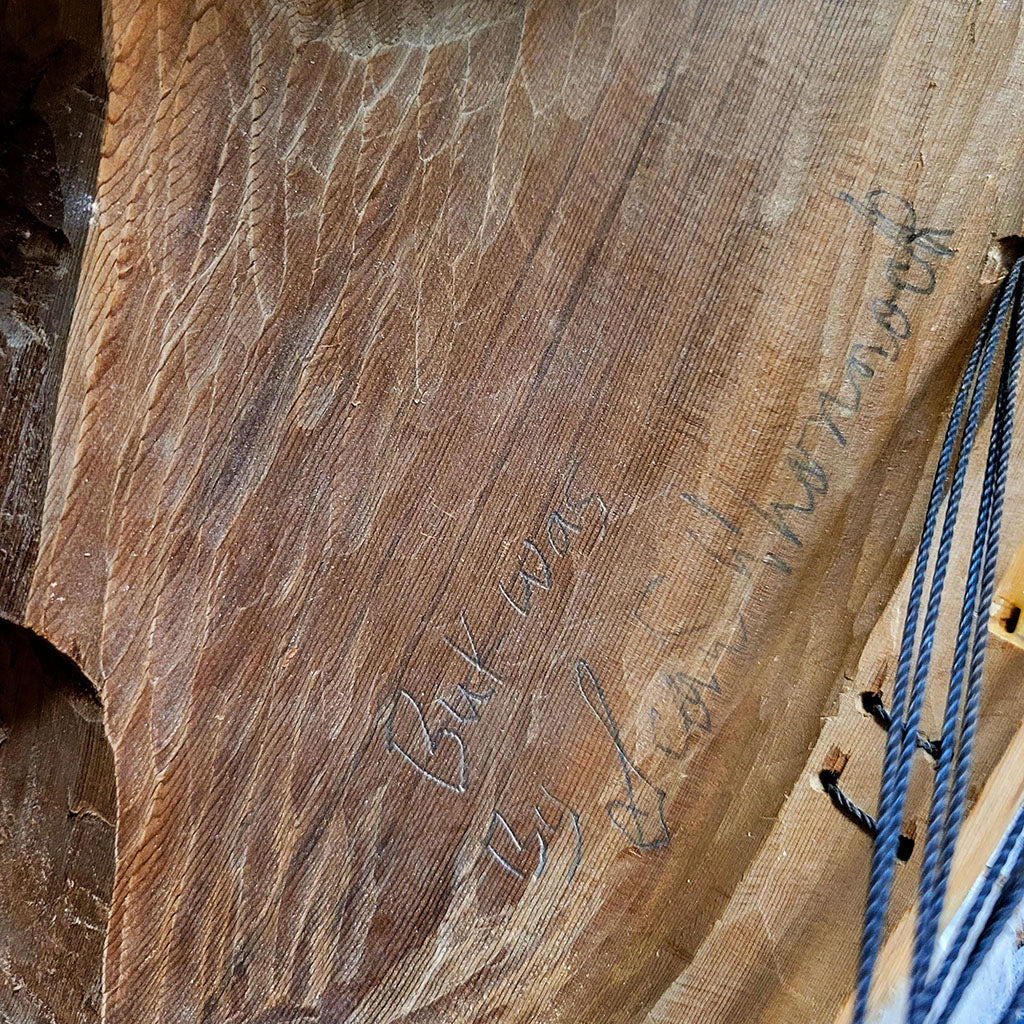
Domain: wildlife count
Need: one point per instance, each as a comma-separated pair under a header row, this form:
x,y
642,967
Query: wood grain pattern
x,y
796,916
488,434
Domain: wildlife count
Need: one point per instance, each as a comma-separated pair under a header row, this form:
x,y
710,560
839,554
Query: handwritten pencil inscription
x,y
909,269
640,814
439,752
524,839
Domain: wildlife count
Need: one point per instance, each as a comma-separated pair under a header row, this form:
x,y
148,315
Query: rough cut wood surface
x,y
794,920
490,435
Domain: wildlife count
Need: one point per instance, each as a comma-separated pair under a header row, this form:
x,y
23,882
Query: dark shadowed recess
x,y
53,101
57,806
57,800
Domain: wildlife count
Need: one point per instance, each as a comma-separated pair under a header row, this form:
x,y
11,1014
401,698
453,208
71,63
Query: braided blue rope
x,y
994,874
1010,897
1008,900
1002,432
882,854
1003,425
908,695
950,787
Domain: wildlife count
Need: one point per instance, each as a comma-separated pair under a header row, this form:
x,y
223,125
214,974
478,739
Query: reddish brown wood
x,y
490,439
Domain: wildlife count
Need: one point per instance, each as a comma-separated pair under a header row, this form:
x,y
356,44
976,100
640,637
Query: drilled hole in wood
x,y
1001,256
871,701
832,768
1009,618
53,97
905,845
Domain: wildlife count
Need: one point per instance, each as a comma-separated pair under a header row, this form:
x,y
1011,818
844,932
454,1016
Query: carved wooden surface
x,y
488,434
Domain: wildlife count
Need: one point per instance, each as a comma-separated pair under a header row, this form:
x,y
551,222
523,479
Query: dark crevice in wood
x,y
57,813
53,99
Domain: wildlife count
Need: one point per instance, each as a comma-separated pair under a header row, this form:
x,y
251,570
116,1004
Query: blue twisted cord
x,y
906,707
880,879
950,787
1003,422
1003,433
1008,900
994,874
